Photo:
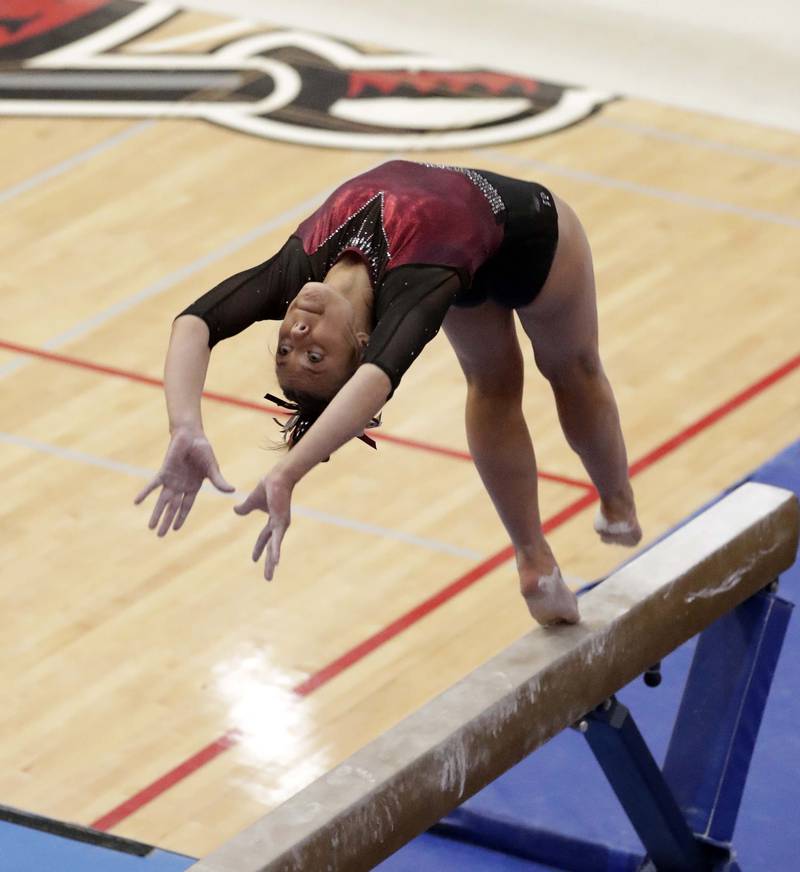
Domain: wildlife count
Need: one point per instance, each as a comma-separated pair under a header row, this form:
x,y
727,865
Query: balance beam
x,y
413,775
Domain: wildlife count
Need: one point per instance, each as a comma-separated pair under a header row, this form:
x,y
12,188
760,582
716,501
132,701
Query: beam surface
x,y
414,774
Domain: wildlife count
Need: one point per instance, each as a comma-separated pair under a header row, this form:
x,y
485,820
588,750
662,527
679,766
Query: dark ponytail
x,y
304,410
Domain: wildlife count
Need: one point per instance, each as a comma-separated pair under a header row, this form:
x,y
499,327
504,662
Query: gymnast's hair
x,y
305,408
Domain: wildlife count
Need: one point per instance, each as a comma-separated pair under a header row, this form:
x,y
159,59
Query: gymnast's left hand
x,y
273,495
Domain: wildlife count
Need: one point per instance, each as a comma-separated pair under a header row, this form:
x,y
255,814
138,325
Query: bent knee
x,y
581,368
502,384
499,374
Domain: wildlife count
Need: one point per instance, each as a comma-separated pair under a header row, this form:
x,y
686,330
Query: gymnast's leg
x,y
562,325
485,342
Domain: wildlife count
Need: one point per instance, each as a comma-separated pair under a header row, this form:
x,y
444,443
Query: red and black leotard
x,y
431,237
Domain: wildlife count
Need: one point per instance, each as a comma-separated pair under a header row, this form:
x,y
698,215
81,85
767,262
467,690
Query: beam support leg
x,y
640,787
721,711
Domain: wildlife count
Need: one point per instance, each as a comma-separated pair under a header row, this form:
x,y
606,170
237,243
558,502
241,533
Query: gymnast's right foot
x,y
616,522
547,596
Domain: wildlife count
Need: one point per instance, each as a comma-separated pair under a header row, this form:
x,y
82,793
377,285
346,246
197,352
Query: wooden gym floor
x,y
162,688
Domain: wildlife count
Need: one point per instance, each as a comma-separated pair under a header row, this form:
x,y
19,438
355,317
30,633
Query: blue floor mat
x,y
23,849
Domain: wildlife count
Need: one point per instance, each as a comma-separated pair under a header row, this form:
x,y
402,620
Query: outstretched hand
x,y
188,462
272,495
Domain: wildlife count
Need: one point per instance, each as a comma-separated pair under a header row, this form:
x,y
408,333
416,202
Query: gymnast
x,y
360,288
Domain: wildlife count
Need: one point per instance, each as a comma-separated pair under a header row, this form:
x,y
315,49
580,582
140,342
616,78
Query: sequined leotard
x,y
431,237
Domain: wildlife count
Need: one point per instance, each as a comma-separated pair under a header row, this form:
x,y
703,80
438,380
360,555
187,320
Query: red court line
x,y
327,673
89,365
349,658
324,675
716,414
162,784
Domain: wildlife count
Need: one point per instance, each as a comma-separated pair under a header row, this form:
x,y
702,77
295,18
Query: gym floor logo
x,y
82,59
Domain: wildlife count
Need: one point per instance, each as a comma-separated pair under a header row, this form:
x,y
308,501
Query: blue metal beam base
x,y
639,784
685,815
717,724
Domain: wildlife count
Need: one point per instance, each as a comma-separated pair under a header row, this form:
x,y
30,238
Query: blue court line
x,y
300,511
651,132
71,163
680,199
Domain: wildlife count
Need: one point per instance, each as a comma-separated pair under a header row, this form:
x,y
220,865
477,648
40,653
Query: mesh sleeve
x,y
258,294
412,303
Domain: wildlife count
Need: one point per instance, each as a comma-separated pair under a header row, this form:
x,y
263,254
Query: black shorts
x,y
517,271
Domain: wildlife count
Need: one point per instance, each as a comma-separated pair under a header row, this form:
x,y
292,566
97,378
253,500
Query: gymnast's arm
x,y
345,417
237,302
413,307
190,458
185,371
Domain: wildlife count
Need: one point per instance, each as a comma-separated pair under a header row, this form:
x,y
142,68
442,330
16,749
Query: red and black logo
x,y
102,58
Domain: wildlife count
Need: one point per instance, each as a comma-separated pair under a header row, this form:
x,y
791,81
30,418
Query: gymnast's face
x,y
318,349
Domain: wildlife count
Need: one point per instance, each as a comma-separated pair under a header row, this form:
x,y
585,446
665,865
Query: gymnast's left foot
x,y
547,596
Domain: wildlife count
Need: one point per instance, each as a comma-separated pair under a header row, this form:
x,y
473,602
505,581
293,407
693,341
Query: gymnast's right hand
x,y
188,462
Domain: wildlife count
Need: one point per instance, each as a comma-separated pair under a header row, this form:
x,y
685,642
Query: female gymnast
x,y
360,287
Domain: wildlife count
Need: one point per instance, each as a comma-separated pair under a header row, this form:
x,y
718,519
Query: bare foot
x,y
617,530
549,599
